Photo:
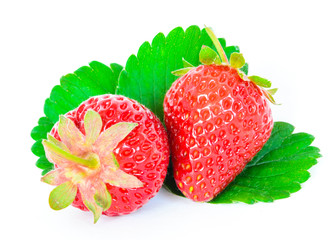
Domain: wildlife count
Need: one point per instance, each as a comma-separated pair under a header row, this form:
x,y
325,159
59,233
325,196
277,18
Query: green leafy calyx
x,y
208,56
86,163
262,82
182,71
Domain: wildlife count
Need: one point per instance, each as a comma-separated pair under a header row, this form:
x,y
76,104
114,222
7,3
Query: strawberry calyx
x,y
85,163
208,56
237,61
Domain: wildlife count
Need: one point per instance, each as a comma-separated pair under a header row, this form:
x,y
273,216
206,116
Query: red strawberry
x,y
217,119
111,156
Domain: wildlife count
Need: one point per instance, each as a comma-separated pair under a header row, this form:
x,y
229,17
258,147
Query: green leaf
x,y
262,82
275,172
244,69
43,163
62,196
74,88
77,87
38,149
46,170
237,60
40,131
148,75
208,56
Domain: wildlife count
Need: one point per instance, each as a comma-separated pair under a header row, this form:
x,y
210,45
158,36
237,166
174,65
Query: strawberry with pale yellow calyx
x,y
86,163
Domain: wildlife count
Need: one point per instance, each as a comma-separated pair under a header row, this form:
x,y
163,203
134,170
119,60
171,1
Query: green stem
x,y
90,163
218,46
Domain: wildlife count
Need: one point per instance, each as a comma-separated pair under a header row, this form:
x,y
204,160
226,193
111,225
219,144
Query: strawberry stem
x,y
92,163
218,46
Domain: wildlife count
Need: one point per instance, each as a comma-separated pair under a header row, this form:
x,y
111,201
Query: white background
x,y
291,43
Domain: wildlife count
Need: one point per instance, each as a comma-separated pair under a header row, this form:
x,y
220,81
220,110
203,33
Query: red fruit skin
x,y
216,123
144,153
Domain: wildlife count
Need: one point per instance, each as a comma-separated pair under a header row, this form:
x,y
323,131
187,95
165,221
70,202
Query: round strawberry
x,y
110,154
217,119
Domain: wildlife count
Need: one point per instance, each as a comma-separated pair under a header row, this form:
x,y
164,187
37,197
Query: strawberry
x,y
217,119
111,156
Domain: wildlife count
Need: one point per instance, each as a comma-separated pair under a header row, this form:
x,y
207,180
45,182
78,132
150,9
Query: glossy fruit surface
x,y
216,123
143,153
